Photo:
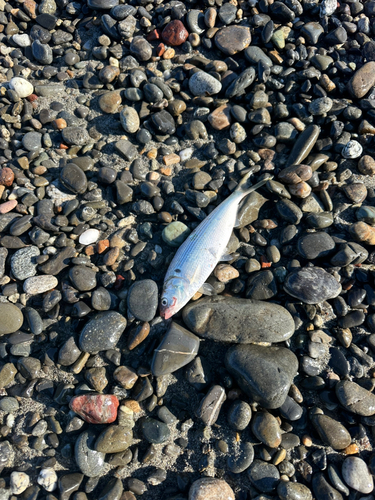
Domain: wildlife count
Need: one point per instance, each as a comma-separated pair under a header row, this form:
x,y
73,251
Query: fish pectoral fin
x,y
226,258
237,223
207,289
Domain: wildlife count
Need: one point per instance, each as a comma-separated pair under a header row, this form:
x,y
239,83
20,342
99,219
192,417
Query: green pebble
x,y
175,233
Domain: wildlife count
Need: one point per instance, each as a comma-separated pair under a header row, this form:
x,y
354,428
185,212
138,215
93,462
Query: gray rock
x,y
42,52
210,406
331,432
203,84
140,48
263,476
83,278
177,348
102,332
23,263
312,285
74,178
75,136
129,119
230,319
143,299
32,141
357,476
241,460
90,462
315,245
323,490
264,373
287,490
355,398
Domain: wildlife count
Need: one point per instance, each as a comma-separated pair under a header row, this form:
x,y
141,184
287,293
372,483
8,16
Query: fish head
x,y
173,297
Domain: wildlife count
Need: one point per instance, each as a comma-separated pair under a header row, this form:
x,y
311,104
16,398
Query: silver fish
x,y
198,256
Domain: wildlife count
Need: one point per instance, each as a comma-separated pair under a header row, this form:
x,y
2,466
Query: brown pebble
x,y
356,192
352,449
59,124
225,272
366,165
102,246
300,190
138,335
125,376
210,488
133,405
171,159
165,217
6,176
220,118
363,232
110,257
295,174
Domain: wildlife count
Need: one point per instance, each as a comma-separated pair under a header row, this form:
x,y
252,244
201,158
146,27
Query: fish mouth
x,y
166,313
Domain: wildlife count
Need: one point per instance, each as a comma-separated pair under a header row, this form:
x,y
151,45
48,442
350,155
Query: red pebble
x,y
32,97
119,282
95,408
6,177
160,49
175,33
153,35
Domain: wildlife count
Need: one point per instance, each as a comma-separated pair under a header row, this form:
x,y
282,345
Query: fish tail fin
x,y
243,187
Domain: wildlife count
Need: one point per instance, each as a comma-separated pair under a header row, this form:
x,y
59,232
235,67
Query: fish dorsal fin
x,y
207,289
226,257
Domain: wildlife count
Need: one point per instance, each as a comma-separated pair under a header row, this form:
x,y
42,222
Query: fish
x,y
198,256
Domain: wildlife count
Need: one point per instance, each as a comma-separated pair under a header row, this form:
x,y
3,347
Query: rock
x,y
68,484
102,4
75,136
114,439
89,237
303,145
129,119
73,178
242,459
113,490
264,373
154,431
175,233
266,428
110,102
19,481
287,490
203,84
140,49
239,415
366,165
210,406
243,321
220,118
95,408
23,87
39,284
322,489
83,278
102,332
177,348
355,398
352,150
315,245
7,374
90,461
143,299
233,39
331,432
48,479
311,285
356,475
23,262
362,80
174,33
263,476
11,318
209,488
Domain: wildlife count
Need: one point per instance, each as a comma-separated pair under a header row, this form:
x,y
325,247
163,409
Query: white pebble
x,y
39,284
89,236
21,86
22,40
186,154
19,481
48,479
352,150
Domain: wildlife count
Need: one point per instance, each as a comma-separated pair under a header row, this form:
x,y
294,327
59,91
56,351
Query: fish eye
x,y
164,302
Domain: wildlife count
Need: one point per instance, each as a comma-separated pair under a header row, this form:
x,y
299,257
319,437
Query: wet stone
x,y
239,415
263,476
233,39
242,460
357,476
114,439
73,178
90,462
287,490
83,278
154,431
174,33
315,245
355,398
95,408
331,432
210,406
266,428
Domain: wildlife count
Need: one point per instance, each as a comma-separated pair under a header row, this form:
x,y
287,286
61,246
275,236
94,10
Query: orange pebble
x,y
89,250
352,449
62,146
59,124
165,170
7,206
160,49
264,262
133,405
307,441
32,97
102,246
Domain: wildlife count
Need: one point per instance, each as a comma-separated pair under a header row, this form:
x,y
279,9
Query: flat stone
x,y
83,278
203,84
102,332
11,318
287,490
175,233
73,178
264,373
210,406
129,119
243,321
177,348
90,461
331,432
75,136
39,284
154,431
315,245
59,262
95,408
323,490
355,398
23,263
312,285
266,428
114,439
233,39
140,48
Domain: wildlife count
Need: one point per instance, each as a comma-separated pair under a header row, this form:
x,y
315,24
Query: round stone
x,y
140,48
315,245
102,332
95,408
6,177
19,481
129,119
11,318
23,87
154,431
239,415
242,459
209,488
109,102
47,479
233,39
352,150
23,262
83,278
203,84
331,432
75,136
175,33
263,476
74,178
175,233
312,285
32,141
357,476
